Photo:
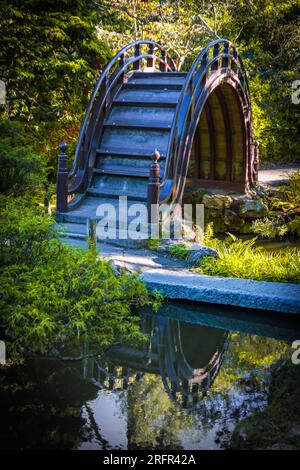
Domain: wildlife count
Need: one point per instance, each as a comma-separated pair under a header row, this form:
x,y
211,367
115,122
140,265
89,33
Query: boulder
x,y
233,221
216,202
198,253
252,208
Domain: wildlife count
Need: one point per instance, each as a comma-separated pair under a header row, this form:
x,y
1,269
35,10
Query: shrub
x,y
53,295
284,210
22,170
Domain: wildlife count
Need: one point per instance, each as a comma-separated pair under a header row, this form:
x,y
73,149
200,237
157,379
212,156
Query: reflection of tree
x,y
154,421
248,356
40,406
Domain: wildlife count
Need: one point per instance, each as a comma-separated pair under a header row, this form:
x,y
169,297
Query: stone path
x,y
134,260
173,279
277,174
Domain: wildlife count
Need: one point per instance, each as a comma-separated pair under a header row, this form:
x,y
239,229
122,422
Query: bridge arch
x,y
200,121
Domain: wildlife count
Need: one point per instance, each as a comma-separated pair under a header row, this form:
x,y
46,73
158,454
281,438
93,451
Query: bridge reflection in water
x,y
187,355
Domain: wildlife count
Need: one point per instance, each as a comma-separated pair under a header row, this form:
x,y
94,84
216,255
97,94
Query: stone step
x,y
124,237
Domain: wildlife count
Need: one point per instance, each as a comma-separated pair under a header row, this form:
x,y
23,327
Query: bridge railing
x,y
219,55
134,56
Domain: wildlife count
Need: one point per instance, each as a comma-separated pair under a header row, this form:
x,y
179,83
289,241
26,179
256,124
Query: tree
x,y
50,57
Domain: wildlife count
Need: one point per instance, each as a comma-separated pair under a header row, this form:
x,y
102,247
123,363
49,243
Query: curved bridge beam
x,y
218,64
200,122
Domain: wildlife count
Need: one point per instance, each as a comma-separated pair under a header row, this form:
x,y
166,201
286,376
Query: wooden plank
x,y
228,133
212,141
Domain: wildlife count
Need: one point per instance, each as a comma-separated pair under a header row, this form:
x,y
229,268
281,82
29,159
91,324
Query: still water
x,y
199,373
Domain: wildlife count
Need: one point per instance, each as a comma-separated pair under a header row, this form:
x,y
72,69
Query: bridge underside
x,y
218,153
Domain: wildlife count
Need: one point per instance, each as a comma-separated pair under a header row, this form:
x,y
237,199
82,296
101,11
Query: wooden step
x,y
127,123
134,139
166,103
140,81
114,194
121,152
163,75
151,84
124,171
142,113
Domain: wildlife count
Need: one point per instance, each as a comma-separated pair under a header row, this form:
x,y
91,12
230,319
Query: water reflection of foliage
x,y
248,354
241,388
154,421
41,405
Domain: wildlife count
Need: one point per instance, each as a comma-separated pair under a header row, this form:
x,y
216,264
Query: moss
x,y
274,426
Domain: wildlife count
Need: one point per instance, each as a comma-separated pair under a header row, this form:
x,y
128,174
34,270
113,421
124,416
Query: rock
x,y
115,267
198,252
252,208
197,196
216,218
167,243
283,446
217,202
232,220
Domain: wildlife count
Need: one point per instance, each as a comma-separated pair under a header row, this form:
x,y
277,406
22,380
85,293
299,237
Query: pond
x,y
201,370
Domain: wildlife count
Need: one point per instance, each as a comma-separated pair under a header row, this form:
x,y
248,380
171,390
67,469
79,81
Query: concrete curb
x,y
272,296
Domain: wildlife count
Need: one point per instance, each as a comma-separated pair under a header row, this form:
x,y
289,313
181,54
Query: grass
x,y
241,259
179,251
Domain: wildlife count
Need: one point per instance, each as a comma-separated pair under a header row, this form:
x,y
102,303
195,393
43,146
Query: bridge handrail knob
x,y
155,156
63,146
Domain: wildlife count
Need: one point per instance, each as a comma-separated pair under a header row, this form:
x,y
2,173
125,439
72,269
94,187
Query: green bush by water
x,y
54,295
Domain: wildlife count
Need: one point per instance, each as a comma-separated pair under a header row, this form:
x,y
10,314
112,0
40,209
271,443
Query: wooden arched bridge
x,y
199,121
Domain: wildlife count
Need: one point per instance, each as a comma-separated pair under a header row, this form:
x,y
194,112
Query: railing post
x,y
121,64
137,53
62,179
153,188
91,227
150,60
203,69
163,65
225,60
215,65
